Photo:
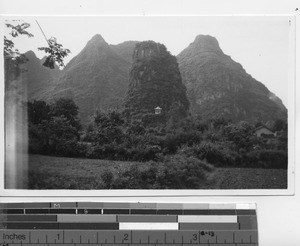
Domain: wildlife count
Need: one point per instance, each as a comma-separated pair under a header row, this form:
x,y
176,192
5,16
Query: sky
x,y
261,44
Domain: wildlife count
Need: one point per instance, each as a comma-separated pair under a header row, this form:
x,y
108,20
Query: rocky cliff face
x,y
96,79
154,81
218,86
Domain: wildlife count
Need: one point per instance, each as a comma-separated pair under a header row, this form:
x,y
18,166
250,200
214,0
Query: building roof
x,y
260,127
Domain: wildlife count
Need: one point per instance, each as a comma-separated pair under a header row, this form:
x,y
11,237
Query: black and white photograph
x,y
148,102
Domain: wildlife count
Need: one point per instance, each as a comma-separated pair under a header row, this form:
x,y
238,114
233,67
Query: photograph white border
x,y
165,193
268,207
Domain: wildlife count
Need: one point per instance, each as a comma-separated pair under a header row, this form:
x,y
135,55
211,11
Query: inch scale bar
x,y
128,237
127,224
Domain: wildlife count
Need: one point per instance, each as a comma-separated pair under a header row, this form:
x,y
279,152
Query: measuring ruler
x,y
152,224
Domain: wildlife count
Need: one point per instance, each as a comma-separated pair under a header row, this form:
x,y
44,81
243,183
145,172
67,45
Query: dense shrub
x,y
115,151
173,172
37,142
143,153
143,147
70,148
105,128
241,134
221,155
55,137
180,172
53,129
107,178
266,159
219,122
67,109
174,141
136,178
280,125
282,142
218,154
112,151
153,119
38,111
136,128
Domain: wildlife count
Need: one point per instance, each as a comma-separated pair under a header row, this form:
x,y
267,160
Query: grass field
x,y
46,172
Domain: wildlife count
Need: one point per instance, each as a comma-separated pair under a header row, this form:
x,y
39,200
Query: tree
x,y
12,56
59,134
220,122
55,51
106,128
38,111
10,52
280,125
66,108
241,134
176,114
54,129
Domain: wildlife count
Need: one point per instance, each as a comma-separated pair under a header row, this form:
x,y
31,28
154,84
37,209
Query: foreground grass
x,y
249,178
46,172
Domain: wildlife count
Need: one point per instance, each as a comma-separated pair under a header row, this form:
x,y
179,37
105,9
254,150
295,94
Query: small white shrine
x,y
158,110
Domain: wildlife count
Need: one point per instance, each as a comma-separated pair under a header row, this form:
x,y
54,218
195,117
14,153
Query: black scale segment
x,y
143,211
29,225
12,211
25,217
37,211
88,226
62,211
246,212
170,211
195,212
115,211
221,212
89,211
49,211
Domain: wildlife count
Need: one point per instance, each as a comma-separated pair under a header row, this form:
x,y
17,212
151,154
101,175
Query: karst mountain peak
x,y
30,54
102,76
97,39
97,78
218,85
154,81
148,49
206,43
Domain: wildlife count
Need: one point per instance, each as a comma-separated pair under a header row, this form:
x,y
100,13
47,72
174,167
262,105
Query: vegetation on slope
x,y
56,131
154,81
217,85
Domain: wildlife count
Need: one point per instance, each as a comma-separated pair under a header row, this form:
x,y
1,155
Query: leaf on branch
x,y
10,52
19,29
56,53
